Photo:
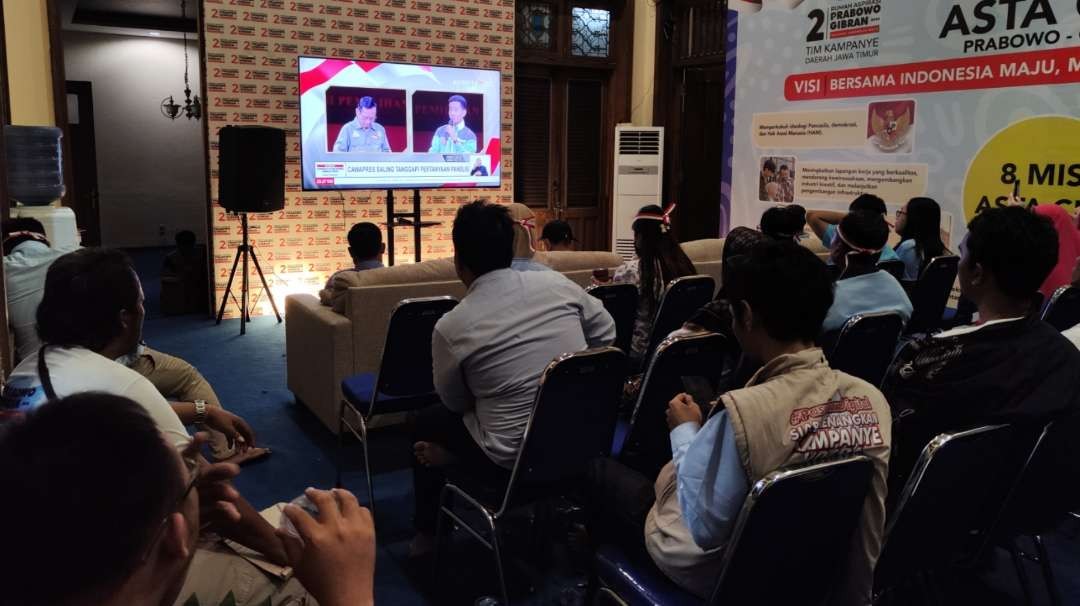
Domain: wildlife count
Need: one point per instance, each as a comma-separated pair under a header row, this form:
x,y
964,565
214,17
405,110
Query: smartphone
x,y
701,390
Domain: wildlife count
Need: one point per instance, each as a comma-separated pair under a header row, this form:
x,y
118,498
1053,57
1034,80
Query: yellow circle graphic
x,y
1042,154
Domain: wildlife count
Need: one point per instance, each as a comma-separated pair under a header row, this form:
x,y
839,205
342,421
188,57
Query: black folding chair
x,y
620,300
865,346
895,268
764,561
1040,500
948,503
930,294
1062,311
677,361
572,423
682,298
403,382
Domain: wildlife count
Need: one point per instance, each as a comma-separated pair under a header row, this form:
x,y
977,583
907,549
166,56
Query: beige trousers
x,y
220,577
179,381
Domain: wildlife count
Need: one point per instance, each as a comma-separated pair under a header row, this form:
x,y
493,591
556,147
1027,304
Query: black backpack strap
x,y
43,375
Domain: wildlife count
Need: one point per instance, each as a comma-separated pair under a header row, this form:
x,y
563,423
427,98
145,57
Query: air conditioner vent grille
x,y
639,143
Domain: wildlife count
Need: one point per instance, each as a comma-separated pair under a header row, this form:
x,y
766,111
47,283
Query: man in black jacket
x,y
1008,367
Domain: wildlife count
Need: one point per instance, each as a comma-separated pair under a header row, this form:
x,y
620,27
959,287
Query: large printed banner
x,y
252,49
960,101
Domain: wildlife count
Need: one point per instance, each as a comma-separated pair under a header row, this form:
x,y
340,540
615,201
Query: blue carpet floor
x,y
248,373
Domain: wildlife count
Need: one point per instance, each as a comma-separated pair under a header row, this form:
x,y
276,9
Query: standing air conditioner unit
x,y
639,172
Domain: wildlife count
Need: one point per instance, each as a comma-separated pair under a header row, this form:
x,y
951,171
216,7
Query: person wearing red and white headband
x,y
524,229
863,288
659,260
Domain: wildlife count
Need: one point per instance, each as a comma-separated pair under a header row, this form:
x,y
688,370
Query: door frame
x,y
91,226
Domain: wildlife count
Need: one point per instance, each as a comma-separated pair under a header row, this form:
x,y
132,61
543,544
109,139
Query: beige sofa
x,y
327,343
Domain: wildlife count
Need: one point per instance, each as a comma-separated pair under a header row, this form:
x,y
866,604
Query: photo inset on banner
x,y
891,127
776,179
448,123
365,119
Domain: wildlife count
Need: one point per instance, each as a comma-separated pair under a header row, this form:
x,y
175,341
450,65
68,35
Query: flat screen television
x,y
377,125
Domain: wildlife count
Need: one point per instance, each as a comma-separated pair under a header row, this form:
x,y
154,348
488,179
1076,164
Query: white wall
x,y
151,170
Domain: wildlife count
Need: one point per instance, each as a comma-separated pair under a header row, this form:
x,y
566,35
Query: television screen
x,y
371,125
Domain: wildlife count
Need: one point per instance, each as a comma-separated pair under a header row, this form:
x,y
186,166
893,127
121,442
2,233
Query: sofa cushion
x,y
442,270
566,261
704,250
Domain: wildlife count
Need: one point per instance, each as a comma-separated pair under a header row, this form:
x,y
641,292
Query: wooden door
x,y
695,169
80,132
559,160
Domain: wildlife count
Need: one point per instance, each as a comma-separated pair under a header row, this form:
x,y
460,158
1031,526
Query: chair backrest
x,y
1063,310
866,345
895,268
766,559
682,298
930,294
573,419
647,446
620,300
405,367
950,500
1045,490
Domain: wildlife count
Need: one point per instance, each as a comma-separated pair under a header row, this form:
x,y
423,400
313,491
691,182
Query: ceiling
x,y
159,18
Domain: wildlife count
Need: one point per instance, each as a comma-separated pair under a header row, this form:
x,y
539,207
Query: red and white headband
x,y
664,217
858,249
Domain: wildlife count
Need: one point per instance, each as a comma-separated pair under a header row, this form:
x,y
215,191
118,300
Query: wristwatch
x,y
200,412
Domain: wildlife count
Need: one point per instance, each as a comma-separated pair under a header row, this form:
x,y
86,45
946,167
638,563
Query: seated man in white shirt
x,y
863,288
488,354
90,315
109,514
27,258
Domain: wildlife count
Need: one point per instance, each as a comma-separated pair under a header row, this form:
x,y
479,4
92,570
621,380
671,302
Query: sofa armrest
x,y
318,355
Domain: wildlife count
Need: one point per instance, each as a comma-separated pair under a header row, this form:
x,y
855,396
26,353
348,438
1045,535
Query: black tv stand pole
x,y
409,218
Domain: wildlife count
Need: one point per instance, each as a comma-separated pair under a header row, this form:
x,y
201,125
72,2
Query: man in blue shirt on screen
x,y
454,137
363,133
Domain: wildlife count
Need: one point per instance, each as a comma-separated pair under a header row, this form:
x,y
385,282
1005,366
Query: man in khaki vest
x,y
795,410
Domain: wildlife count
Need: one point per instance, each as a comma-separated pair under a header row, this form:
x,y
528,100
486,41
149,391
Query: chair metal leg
x,y
493,527
1021,573
341,444
367,466
1048,572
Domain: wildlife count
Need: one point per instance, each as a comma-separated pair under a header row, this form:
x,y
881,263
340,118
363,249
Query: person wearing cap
x,y
524,224
557,236
863,288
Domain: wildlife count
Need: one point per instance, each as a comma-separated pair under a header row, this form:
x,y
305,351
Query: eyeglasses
x,y
193,467
900,212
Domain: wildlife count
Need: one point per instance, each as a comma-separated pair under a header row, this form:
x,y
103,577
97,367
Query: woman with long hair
x,y
918,224
659,260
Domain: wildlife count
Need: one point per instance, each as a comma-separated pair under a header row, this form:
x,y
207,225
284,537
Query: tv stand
x,y
407,219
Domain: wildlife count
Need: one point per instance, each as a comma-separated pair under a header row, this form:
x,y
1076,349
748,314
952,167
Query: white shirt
x,y
970,328
488,352
1073,334
24,276
77,369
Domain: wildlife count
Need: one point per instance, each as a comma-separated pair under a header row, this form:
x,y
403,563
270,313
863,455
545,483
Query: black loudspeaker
x,y
251,169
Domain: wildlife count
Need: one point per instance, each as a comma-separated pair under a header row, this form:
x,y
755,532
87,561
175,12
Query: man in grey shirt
x,y
363,133
488,354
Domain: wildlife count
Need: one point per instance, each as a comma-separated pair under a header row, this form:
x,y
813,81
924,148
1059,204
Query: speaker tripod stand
x,y
245,250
